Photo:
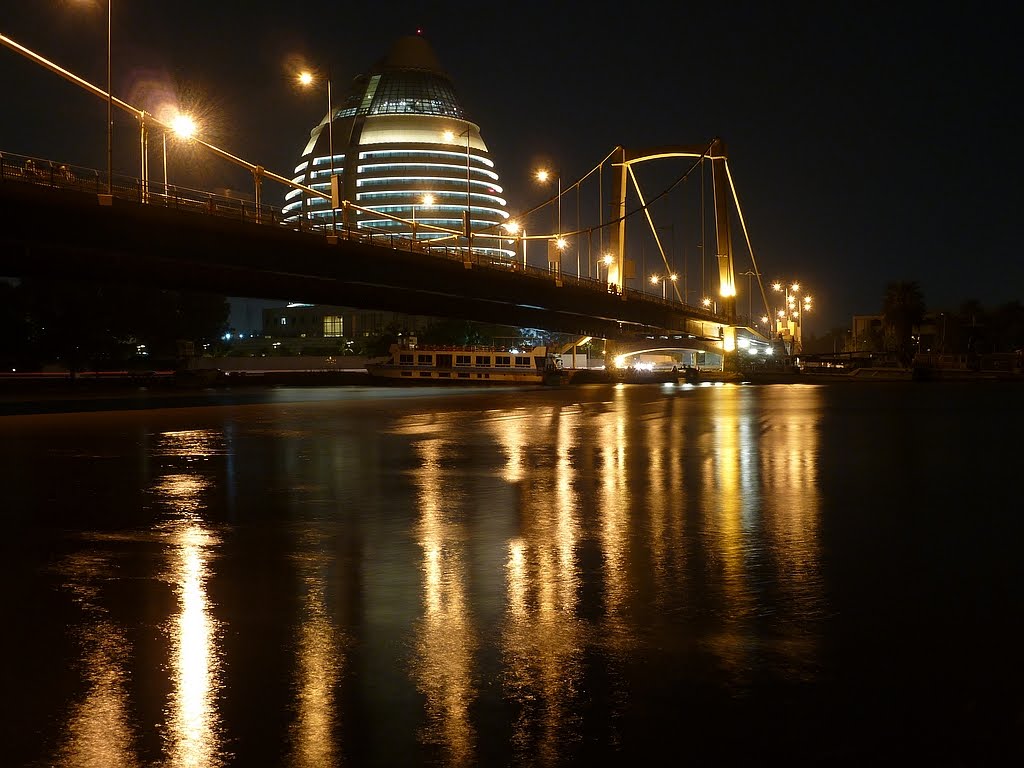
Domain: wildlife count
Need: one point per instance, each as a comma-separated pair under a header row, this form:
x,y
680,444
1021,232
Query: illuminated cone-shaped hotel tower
x,y
404,147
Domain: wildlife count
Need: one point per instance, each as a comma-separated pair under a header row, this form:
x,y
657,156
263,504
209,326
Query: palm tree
x,y
902,308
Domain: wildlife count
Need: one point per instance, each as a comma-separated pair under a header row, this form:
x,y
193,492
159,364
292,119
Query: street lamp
x,y
184,127
449,136
606,262
110,106
543,175
512,227
426,202
750,308
805,306
664,280
306,79
110,109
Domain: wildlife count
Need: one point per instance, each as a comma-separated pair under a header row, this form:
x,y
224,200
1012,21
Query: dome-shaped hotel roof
x,y
404,147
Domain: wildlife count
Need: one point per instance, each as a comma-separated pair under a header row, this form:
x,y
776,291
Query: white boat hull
x,y
466,365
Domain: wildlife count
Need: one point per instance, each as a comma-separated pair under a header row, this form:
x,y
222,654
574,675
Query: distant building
x,y
867,330
400,134
321,321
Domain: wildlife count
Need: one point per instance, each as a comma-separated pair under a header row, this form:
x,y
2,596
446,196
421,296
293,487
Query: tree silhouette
x,y
902,308
84,324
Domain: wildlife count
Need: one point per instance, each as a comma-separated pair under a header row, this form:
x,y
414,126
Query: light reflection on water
x,y
446,636
99,731
514,575
729,522
192,731
543,637
314,740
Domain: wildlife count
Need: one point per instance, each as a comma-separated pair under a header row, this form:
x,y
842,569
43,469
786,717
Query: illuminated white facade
x,y
404,147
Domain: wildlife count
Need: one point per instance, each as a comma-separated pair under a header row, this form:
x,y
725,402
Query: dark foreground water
x,y
595,575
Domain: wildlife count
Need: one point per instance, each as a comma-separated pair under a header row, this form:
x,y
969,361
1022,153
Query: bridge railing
x,y
48,173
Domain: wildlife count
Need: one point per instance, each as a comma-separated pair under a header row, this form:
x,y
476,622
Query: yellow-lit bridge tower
x,y
714,152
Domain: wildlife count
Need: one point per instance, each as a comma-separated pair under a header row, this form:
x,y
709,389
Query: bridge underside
x,y
67,234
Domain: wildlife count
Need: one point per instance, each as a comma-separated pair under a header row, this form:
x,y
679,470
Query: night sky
x,y
868,143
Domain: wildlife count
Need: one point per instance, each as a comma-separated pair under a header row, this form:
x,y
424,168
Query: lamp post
x,y
512,227
449,136
664,280
182,126
110,107
110,101
750,307
110,104
469,208
306,79
805,306
606,262
165,165
426,202
542,176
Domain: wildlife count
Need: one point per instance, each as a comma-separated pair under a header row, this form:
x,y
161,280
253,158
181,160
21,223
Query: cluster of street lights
x,y
790,317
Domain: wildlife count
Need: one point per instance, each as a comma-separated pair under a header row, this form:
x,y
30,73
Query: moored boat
x,y
410,363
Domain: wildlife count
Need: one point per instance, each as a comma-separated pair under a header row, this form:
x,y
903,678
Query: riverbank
x,y
173,386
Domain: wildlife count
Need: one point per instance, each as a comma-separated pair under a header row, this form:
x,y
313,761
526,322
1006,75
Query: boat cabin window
x,y
483,360
522,362
424,359
405,359
502,361
461,360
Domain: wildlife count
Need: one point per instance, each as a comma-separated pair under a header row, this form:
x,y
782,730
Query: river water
x,y
518,576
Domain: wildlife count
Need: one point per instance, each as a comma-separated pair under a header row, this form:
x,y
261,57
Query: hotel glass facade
x,y
404,148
